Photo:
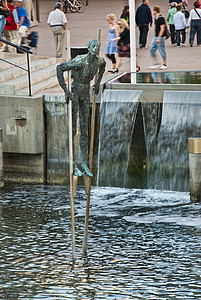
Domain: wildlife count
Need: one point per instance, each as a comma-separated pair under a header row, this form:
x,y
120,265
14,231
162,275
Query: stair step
x,y
36,88
38,76
18,60
36,65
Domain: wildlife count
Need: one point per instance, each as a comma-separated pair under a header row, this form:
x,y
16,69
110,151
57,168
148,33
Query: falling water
x,y
118,114
167,142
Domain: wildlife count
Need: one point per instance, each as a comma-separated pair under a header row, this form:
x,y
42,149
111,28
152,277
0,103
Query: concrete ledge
x,y
153,92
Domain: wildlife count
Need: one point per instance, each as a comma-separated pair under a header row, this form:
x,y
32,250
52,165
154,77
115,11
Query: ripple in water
x,y
143,244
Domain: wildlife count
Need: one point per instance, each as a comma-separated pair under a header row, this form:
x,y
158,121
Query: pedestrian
x,y
3,9
125,13
143,20
24,23
171,12
158,41
111,49
195,22
11,28
185,12
123,42
180,26
179,2
58,22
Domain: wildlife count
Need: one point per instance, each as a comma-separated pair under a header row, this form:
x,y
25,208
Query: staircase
x,y
14,81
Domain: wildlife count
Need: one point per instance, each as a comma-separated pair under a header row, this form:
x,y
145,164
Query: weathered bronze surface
x,y
194,145
84,68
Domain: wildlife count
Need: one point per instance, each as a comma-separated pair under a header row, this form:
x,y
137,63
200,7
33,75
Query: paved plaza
x,y
84,27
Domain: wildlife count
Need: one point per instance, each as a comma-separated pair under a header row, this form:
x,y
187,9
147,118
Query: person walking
x,y
111,49
180,26
24,23
11,28
58,23
171,12
195,22
143,20
125,13
123,44
3,9
158,41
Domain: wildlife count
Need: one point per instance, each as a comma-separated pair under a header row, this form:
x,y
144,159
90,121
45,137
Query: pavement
x,y
84,28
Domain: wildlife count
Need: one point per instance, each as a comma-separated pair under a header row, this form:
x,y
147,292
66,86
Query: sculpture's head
x,y
94,47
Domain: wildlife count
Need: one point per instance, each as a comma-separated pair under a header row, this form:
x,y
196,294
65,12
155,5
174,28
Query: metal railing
x,y
28,62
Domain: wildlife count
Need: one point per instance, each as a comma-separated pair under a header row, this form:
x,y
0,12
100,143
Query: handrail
x,y
28,64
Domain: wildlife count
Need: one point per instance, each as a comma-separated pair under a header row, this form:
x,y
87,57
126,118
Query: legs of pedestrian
x,y
173,35
59,34
183,33
153,49
113,59
143,35
192,32
178,39
199,32
161,48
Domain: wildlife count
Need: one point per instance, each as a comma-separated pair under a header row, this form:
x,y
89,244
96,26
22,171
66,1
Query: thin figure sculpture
x,y
84,67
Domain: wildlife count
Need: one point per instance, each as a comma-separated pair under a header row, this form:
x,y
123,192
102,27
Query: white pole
x,y
71,149
84,248
132,40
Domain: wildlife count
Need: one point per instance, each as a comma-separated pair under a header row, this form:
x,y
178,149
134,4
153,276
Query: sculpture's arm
x,y
100,74
63,67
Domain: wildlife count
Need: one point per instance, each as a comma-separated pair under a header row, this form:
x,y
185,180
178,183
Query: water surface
x,y
143,244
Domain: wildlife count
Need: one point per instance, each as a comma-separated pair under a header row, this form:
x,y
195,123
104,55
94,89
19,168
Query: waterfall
x,y
117,118
167,140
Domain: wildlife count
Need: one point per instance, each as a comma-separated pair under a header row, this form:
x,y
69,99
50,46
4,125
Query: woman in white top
x,y
195,21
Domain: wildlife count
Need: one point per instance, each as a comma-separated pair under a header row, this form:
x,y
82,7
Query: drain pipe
x,y
194,146
1,159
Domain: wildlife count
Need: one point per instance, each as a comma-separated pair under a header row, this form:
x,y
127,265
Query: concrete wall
x,y
21,119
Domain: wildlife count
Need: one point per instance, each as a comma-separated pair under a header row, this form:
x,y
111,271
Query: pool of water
x,y
143,244
191,77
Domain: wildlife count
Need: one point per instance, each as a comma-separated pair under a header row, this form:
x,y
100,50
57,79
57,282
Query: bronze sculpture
x,y
84,67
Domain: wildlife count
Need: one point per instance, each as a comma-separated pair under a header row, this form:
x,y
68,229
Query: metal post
x,y
194,145
71,151
37,11
1,159
29,74
88,179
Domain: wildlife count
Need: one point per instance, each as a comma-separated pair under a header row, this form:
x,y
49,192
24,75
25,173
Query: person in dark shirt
x,y
123,45
125,13
143,19
158,41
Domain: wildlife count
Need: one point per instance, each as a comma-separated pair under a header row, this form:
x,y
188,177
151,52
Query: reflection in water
x,y
143,244
193,77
